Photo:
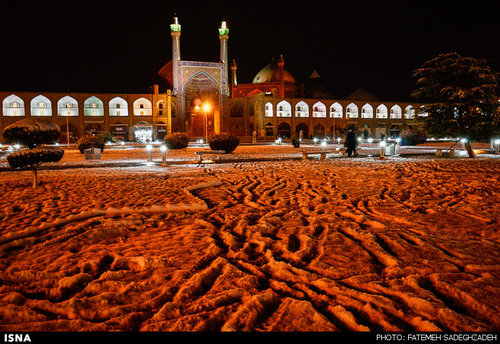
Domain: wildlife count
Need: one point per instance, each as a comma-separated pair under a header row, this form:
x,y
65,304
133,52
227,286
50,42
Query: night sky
x,y
119,46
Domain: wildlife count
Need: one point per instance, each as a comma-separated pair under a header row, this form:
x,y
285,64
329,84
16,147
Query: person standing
x,y
350,143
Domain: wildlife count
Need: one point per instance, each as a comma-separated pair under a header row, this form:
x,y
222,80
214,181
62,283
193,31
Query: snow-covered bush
x,y
90,141
225,142
412,137
33,133
34,156
176,141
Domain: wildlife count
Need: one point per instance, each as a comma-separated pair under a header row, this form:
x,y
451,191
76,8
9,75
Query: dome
x,y
271,73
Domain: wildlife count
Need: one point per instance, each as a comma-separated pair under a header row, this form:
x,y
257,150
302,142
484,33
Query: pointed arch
x,y
41,106
336,110
283,109
396,112
301,109
93,107
319,110
268,109
382,111
118,107
13,106
367,111
409,112
67,106
352,111
142,107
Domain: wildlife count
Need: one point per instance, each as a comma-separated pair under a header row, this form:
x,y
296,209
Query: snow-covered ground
x,y
264,242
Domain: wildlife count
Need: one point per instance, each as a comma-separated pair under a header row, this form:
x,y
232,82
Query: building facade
x,y
203,101
128,117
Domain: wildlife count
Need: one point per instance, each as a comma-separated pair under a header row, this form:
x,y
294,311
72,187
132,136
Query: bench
x,y
322,152
445,152
200,154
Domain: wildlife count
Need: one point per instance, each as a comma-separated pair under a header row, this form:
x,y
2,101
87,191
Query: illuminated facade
x,y
204,101
129,117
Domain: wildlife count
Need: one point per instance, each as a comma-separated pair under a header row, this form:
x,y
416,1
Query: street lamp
x,y
163,149
149,148
206,108
382,149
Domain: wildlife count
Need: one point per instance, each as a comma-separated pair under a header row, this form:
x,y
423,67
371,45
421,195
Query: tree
x,y
460,98
32,133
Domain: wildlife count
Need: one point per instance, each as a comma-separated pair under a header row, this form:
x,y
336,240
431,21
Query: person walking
x,y
350,143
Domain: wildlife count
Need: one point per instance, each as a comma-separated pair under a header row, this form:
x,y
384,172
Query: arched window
x,y
396,112
284,109
118,107
93,107
336,110
13,106
367,111
382,111
352,111
301,109
269,110
41,106
409,112
142,107
67,106
319,110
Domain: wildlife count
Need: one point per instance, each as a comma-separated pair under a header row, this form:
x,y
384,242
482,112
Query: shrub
x,y
34,156
90,141
412,137
296,142
225,142
33,132
176,141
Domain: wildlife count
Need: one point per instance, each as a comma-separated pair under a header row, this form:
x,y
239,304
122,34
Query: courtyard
x,y
263,242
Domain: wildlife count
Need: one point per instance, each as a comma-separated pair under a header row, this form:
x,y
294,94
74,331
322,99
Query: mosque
x,y
205,98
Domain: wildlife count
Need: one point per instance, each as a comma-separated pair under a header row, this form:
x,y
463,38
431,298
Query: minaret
x,y
223,37
175,31
281,67
234,81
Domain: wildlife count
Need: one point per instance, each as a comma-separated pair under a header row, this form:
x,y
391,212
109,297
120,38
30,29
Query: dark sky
x,y
118,46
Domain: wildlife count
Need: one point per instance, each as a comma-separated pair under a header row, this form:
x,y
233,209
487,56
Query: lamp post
x,y
163,149
206,109
149,148
382,149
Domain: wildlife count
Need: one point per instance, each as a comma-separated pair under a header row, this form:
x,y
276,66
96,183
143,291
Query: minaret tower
x,y
223,37
281,68
234,81
175,31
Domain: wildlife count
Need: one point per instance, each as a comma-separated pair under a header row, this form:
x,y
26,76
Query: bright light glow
x,y
370,140
497,142
223,30
163,148
122,143
398,140
323,143
207,107
315,139
175,27
463,140
383,143
149,148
